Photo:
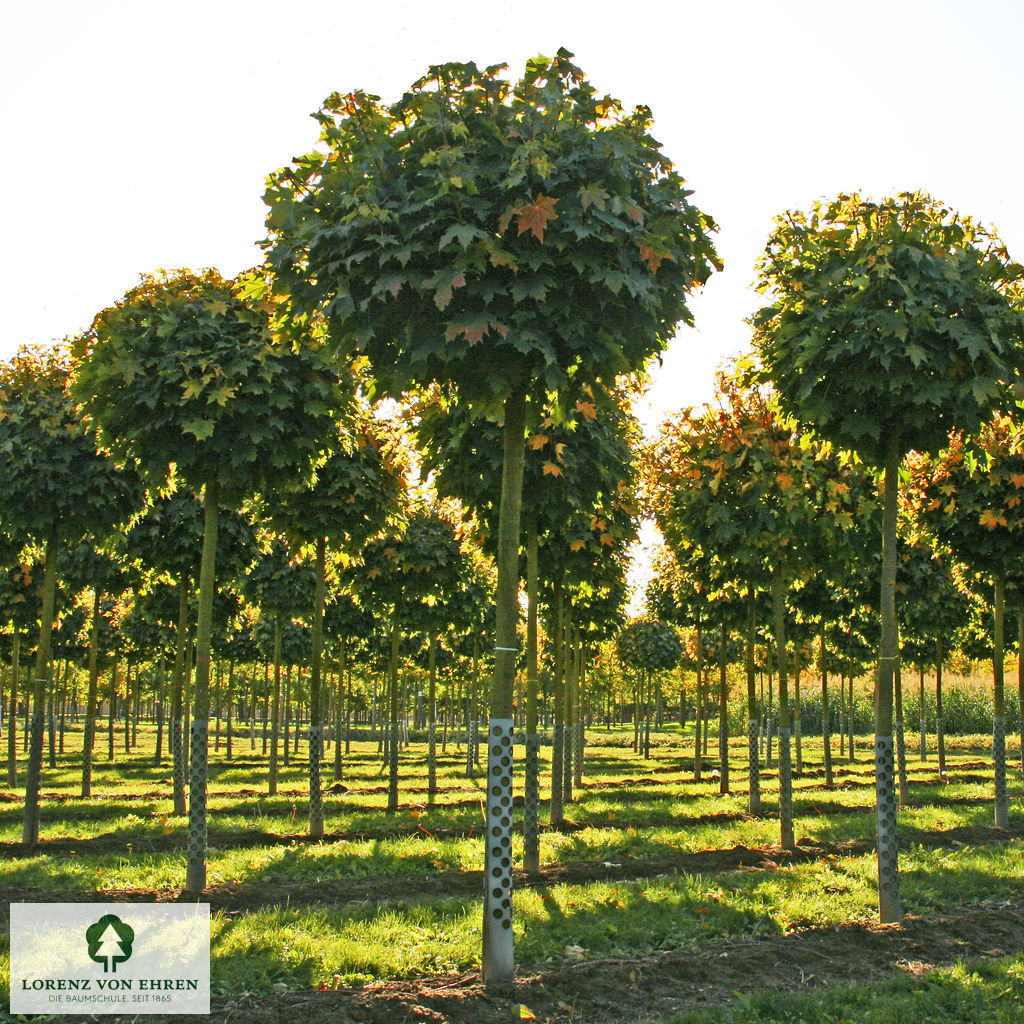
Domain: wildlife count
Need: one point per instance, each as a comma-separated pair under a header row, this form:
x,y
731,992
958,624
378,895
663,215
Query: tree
x,y
186,372
735,478
969,498
399,230
56,487
354,493
890,323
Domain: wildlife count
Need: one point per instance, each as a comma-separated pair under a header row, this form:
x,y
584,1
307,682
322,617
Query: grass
x,y
340,944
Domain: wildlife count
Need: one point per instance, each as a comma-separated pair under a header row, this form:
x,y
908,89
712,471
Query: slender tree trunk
x,y
178,700
228,751
12,718
316,729
901,747
723,716
826,726
1020,690
161,682
30,830
432,722
498,960
195,875
785,769
392,745
531,803
555,810
89,731
1002,811
112,710
753,715
275,709
698,760
923,720
798,723
889,909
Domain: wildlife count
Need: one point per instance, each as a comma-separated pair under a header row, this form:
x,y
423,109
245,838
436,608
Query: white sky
x,y
138,134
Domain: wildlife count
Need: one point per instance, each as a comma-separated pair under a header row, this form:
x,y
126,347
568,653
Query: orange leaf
x,y
576,545
1017,479
537,441
990,520
653,257
551,469
608,540
373,573
785,481
588,409
535,216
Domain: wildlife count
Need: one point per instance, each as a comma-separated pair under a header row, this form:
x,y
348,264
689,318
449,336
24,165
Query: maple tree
x,y
56,487
734,477
186,372
397,231
970,498
888,324
354,492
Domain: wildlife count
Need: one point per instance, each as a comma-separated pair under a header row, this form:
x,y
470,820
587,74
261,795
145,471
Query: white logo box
x,y
93,958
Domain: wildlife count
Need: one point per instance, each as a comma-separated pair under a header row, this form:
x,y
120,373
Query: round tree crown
x,y
896,319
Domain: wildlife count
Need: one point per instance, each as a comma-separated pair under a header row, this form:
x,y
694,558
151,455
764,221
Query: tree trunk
x,y
826,727
723,716
275,709
498,960
753,715
12,718
531,803
432,722
90,700
316,729
178,700
785,769
392,739
889,909
1002,811
195,875
30,830
901,748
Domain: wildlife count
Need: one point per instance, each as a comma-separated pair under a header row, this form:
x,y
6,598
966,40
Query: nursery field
x,y
660,900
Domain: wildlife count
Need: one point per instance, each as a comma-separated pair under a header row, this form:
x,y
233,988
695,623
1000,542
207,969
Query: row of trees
x,y
512,253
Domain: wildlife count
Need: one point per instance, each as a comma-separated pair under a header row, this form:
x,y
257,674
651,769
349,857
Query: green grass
x,y
332,944
979,992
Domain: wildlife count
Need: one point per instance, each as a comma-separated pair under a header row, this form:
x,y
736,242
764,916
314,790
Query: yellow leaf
x,y
525,1013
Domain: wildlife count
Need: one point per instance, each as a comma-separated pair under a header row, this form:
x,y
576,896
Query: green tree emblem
x,y
110,942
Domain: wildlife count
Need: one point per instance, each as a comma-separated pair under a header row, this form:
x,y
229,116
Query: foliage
x,y
906,303
52,475
649,646
488,234
971,497
184,371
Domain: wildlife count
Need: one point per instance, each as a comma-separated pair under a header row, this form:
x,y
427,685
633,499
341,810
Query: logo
x,y
110,942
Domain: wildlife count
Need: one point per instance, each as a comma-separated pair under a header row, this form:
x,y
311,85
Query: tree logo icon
x,y
110,942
